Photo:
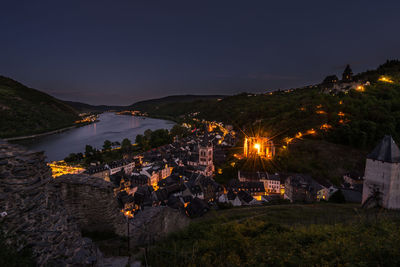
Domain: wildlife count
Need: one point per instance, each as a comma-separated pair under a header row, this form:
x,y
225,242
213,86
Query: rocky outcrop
x,y
154,223
36,214
91,202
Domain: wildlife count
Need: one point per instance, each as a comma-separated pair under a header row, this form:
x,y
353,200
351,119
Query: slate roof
x,y
119,163
386,151
174,202
195,189
246,186
231,195
161,194
245,196
95,169
170,180
305,182
197,207
140,179
104,167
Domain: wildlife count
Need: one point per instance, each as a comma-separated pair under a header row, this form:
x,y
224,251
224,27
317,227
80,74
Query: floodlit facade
x,y
259,146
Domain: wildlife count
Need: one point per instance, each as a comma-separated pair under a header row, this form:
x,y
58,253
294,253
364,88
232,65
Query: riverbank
x,y
18,138
153,116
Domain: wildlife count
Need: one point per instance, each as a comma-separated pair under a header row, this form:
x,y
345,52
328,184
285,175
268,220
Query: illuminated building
x,y
271,182
202,157
347,74
259,146
156,173
105,170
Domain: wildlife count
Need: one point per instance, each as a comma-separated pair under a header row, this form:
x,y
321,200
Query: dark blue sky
x,y
119,52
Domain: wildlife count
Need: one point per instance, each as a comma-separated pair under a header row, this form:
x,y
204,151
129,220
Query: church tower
x,y
206,155
382,174
347,74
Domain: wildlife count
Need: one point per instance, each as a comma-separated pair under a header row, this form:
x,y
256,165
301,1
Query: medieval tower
x,y
347,75
206,155
382,175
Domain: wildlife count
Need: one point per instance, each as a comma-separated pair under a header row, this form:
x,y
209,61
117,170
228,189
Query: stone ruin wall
x,y
36,216
91,203
48,214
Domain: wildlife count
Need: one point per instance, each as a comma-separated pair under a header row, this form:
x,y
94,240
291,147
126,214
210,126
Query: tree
x,y
139,139
178,130
147,133
126,146
159,137
72,158
89,151
107,145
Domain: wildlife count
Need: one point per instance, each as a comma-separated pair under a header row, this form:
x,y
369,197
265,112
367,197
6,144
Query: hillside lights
x,y
385,79
360,88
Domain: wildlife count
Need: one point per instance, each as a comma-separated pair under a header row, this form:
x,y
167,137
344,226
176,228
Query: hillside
x,y
87,108
353,120
167,107
26,111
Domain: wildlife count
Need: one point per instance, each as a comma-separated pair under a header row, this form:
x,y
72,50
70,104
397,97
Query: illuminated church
x,y
259,146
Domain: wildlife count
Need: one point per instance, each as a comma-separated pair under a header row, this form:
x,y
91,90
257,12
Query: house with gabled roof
x,y
246,198
197,207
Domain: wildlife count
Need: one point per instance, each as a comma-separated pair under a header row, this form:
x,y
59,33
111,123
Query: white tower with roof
x,y
382,173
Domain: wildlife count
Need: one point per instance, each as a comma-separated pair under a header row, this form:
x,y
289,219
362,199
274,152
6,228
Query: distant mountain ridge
x,y
83,107
173,106
26,111
176,99
143,105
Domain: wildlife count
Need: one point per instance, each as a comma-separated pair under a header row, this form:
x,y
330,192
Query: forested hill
x,y
180,102
26,111
357,117
84,108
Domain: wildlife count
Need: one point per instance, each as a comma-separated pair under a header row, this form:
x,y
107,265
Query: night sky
x,y
119,52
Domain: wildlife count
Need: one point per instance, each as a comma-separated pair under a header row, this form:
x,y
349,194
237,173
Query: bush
x,y
337,197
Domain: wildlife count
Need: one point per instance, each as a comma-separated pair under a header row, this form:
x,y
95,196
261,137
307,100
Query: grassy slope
x,y
25,111
285,235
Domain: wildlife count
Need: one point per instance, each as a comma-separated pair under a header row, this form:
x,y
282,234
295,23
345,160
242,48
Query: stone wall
x,y
91,202
154,223
48,214
36,215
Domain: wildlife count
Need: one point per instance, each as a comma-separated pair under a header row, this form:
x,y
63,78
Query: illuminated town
x,y
199,133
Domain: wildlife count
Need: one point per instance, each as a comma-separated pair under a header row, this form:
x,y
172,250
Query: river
x,y
110,127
